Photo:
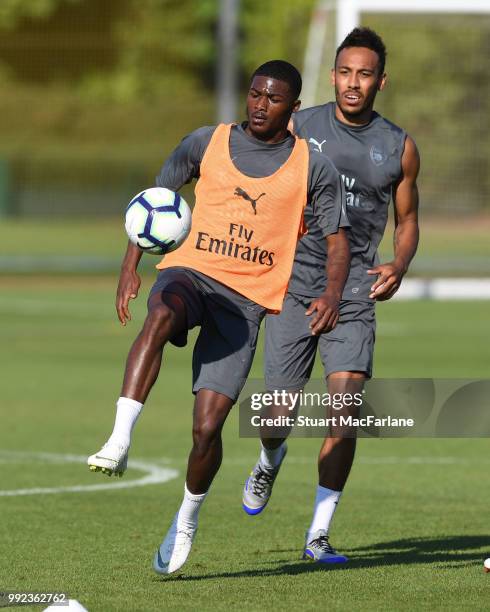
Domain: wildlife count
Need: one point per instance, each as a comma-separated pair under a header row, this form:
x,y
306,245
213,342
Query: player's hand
x,y
388,281
326,308
127,289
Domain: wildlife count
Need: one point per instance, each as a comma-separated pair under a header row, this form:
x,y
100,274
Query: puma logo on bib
x,y
243,194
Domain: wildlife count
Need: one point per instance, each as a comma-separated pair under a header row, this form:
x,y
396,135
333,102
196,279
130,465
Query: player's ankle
x,y
118,440
127,413
272,457
188,514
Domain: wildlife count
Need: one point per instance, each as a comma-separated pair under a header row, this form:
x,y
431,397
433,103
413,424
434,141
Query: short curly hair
x,y
282,71
365,37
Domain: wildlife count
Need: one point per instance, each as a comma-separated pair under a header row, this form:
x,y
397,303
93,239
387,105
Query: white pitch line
x,y
155,474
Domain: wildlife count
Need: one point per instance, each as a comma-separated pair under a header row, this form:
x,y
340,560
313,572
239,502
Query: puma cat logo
x,y
318,144
243,194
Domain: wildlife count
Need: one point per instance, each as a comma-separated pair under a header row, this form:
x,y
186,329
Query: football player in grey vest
x,y
378,162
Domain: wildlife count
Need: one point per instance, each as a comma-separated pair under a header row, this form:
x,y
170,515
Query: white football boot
x,y
174,550
318,548
111,459
258,486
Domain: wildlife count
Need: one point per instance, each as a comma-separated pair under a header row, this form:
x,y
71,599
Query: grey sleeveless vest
x,y
369,160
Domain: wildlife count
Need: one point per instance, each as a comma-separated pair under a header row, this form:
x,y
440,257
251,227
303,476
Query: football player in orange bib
x,y
254,182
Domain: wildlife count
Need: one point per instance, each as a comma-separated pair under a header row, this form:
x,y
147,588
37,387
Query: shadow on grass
x,y
452,552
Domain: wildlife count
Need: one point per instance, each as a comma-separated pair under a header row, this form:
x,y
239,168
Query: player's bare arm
x,y
327,305
129,282
406,237
179,169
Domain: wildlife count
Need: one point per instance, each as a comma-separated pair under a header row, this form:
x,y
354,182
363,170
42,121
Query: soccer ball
x,y
68,604
158,220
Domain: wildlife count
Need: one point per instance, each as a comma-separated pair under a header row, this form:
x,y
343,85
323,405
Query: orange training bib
x,y
244,229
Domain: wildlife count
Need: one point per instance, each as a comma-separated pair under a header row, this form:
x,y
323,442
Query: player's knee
x,y
206,433
346,382
159,323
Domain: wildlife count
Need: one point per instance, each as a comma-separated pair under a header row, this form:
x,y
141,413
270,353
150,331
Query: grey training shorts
x,y
290,349
229,322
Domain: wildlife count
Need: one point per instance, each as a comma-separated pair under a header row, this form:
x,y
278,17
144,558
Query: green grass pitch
x,y
413,519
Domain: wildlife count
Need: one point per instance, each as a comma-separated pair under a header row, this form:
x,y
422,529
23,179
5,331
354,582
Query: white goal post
x,y
348,16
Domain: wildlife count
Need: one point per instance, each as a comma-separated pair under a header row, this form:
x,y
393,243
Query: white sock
x,y
127,413
325,505
271,458
189,510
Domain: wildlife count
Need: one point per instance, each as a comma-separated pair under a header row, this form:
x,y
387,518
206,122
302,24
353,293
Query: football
x,y
158,220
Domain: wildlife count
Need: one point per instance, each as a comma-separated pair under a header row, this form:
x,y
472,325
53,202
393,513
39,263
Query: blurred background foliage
x,y
96,93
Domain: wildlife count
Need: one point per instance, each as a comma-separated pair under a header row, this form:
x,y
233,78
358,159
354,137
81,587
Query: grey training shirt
x,y
257,159
369,161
